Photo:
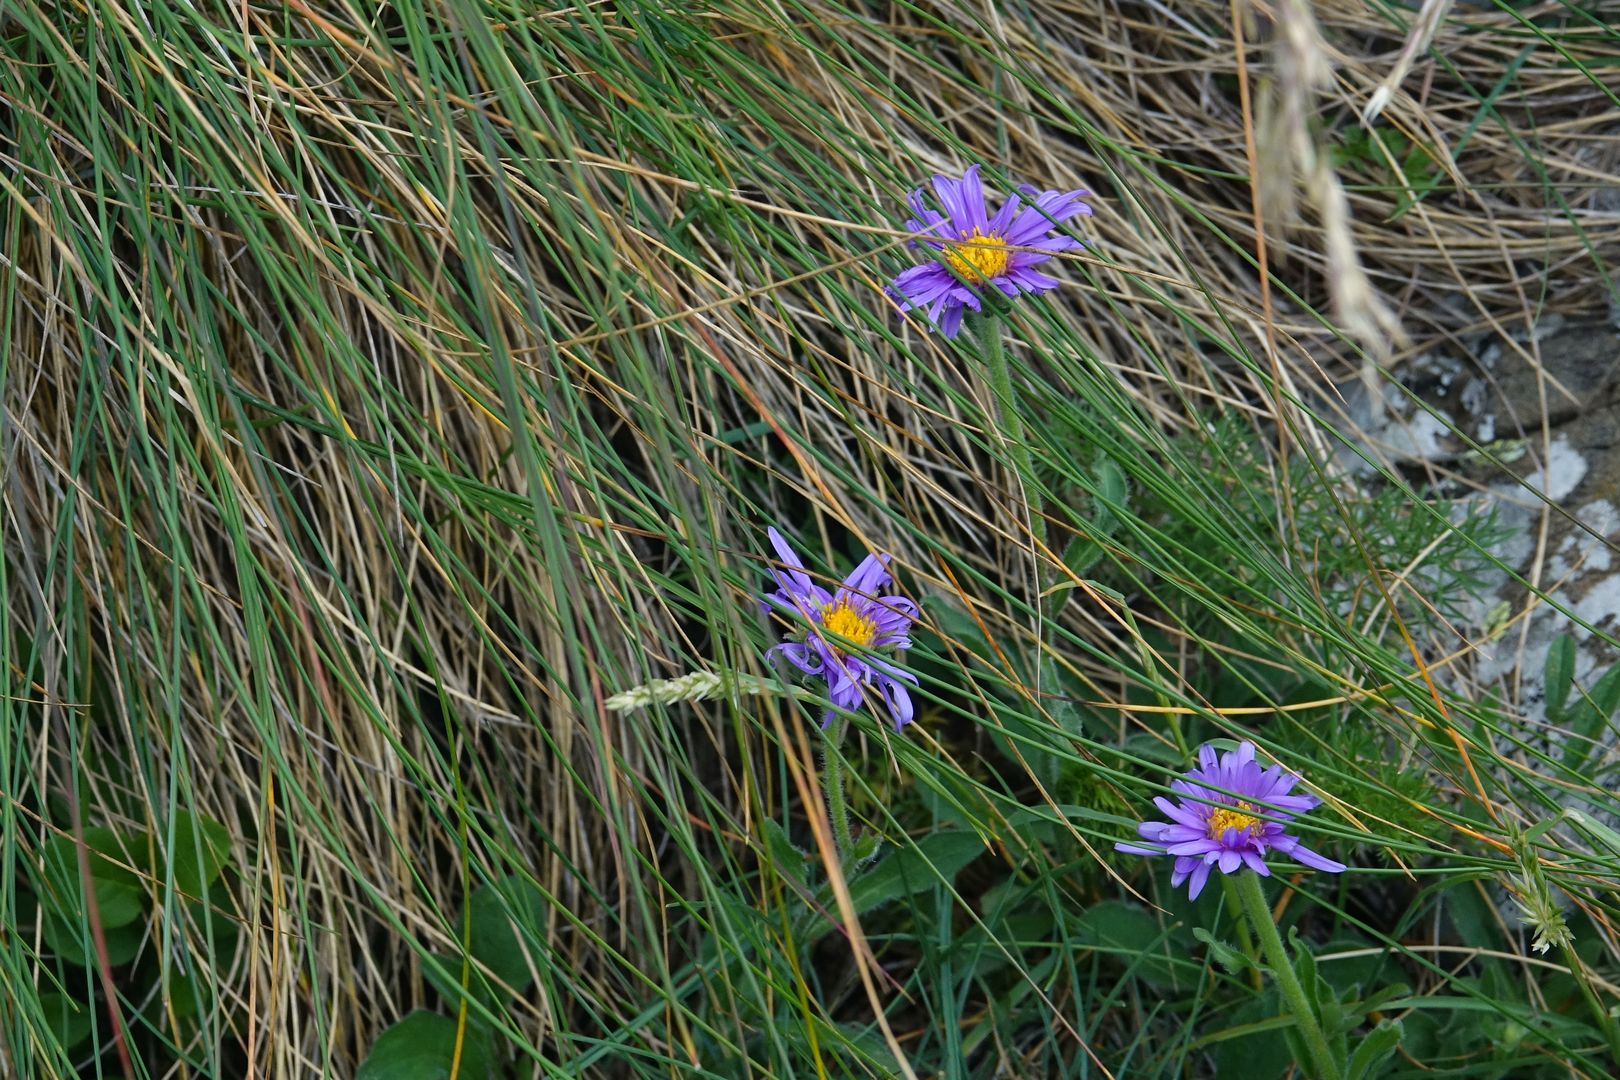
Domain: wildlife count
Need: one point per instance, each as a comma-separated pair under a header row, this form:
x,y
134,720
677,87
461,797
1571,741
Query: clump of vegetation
x,y
397,402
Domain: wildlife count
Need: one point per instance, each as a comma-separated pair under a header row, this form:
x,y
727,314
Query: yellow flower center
x,y
1224,818
842,619
978,257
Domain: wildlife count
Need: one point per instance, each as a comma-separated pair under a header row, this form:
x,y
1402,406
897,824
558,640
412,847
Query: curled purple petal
x,y
899,699
870,576
1196,885
806,660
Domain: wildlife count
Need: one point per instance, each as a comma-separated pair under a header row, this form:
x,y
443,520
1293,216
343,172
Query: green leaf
x,y
1079,555
1249,1046
1588,718
1112,491
1232,960
119,897
1305,970
1596,830
70,939
867,849
936,859
1057,700
1134,933
443,973
1374,1047
187,994
68,1020
1558,673
507,918
202,848
422,1046
786,858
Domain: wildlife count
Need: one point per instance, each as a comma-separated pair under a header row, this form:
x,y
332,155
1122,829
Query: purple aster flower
x,y
967,249
1218,820
843,630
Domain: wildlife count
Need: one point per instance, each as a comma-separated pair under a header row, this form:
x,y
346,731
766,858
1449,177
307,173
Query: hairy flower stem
x,y
987,328
832,778
1265,927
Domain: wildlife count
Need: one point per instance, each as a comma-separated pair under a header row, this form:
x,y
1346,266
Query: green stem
x,y
1265,927
832,778
988,330
1611,1032
1241,927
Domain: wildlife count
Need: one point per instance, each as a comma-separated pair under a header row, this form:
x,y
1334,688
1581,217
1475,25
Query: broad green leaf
x,y
1249,1042
1134,934
68,1020
1081,554
202,848
118,892
936,859
1587,718
422,1046
787,859
443,972
507,916
1558,673
70,939
1112,490
188,993
1223,954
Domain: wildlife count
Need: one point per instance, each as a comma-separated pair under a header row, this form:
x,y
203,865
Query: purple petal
x,y
870,576
1042,248
972,194
888,639
951,321
949,193
923,285
1255,863
1004,216
798,655
1032,280
1195,793
1230,860
794,577
887,670
1136,849
899,605
1290,804
899,699
1195,816
1047,209
1302,854
845,693
1199,876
